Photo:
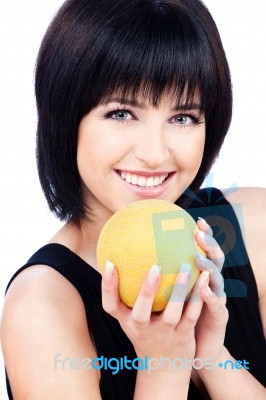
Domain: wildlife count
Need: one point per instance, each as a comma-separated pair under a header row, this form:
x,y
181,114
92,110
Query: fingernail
x,y
185,267
202,220
108,271
184,273
201,235
153,274
204,278
202,258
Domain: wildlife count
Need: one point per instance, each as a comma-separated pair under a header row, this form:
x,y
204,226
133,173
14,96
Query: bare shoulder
x,y
252,203
248,197
43,323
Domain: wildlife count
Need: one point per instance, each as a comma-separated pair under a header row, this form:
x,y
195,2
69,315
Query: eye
x,y
182,120
120,115
186,120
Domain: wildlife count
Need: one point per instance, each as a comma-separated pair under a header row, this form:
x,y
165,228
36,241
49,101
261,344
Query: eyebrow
x,y
137,104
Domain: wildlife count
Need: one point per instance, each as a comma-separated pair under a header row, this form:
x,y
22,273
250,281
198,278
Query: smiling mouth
x,y
143,180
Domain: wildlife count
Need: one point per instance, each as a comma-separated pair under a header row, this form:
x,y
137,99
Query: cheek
x,y
197,151
99,149
189,152
87,153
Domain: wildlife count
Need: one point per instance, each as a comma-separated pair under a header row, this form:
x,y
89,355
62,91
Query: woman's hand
x,y
211,326
169,334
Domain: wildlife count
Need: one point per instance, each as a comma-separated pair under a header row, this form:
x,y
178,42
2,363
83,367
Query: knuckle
x,y
221,254
211,242
139,321
214,247
217,255
107,290
217,264
146,291
178,293
210,264
108,287
224,312
224,299
220,258
110,307
223,315
223,320
221,296
219,282
191,321
168,322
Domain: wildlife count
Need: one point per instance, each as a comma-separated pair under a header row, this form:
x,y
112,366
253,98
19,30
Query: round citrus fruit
x,y
146,233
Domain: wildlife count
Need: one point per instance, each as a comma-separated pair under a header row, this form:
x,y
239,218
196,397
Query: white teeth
x,y
128,178
156,181
150,182
134,180
142,180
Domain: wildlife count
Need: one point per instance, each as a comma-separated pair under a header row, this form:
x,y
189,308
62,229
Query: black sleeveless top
x,y
244,334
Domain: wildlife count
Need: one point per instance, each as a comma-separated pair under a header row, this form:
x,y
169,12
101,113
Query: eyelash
x,y
116,110
196,119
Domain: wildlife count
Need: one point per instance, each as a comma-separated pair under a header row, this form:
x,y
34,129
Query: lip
x,y
147,192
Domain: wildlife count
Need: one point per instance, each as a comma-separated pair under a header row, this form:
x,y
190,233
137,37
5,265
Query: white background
x,y
25,221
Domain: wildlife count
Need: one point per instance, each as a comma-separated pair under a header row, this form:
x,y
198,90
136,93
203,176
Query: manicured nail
x,y
204,278
184,273
202,220
201,235
185,267
108,271
153,274
202,257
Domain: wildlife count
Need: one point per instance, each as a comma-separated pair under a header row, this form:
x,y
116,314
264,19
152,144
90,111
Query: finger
x,y
215,306
216,279
111,301
204,226
211,247
202,280
141,312
175,305
194,306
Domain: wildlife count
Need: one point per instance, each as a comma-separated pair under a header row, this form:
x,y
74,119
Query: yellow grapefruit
x,y
145,233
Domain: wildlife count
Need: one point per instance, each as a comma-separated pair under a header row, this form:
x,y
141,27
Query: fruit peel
x,y
146,233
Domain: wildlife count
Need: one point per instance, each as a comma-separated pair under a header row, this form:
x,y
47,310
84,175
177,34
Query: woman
x,y
134,101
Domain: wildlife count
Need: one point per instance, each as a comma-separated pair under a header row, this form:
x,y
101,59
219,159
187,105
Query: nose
x,y
152,148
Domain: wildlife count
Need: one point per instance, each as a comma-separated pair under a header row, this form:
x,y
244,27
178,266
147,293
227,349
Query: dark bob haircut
x,y
152,48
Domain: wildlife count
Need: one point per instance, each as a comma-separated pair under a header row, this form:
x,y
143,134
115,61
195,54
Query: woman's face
x,y
132,151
